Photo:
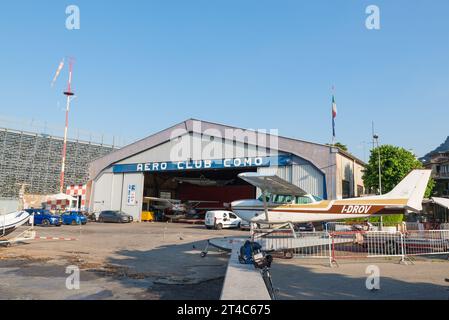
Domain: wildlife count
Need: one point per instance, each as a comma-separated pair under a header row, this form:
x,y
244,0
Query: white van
x,y
219,219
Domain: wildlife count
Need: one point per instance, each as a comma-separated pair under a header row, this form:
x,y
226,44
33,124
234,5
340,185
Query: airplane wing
x,y
200,201
161,203
272,183
195,203
168,201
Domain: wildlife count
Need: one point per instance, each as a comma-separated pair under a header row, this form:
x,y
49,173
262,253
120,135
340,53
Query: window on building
x,y
346,189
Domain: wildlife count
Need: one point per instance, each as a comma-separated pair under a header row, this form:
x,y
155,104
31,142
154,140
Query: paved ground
x,y
303,280
162,261
130,261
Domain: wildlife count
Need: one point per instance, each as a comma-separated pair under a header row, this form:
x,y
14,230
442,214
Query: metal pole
x,y
380,180
380,169
333,171
402,248
64,148
376,140
329,237
331,162
69,95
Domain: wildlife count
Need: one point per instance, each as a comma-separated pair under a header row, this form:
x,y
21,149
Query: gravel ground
x,y
420,279
162,261
116,261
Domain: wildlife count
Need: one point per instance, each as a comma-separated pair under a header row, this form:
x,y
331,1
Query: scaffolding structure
x,y
35,159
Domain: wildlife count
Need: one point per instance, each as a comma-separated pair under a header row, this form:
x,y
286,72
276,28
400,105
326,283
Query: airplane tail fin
x,y
412,187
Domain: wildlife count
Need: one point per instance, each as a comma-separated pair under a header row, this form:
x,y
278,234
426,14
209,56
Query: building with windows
x,y
199,160
438,162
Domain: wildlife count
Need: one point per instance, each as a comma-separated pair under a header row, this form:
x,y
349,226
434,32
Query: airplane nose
x,y
237,203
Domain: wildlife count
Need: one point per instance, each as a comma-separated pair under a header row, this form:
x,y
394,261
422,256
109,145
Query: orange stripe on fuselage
x,y
325,203
337,206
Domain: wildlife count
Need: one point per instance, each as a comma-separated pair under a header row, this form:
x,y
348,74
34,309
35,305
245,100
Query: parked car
x,y
44,218
93,216
114,216
219,219
73,218
245,225
304,227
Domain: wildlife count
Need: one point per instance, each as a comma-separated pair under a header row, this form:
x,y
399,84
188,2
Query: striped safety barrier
x,y
55,238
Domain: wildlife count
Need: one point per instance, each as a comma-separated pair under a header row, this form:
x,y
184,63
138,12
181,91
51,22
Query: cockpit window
x,y
282,199
267,197
286,199
303,200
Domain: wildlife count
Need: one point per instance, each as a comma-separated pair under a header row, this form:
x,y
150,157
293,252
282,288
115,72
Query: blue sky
x,y
142,66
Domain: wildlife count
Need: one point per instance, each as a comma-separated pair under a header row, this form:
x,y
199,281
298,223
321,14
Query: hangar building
x,y
199,160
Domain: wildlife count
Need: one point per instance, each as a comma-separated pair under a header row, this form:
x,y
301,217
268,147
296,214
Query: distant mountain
x,y
443,147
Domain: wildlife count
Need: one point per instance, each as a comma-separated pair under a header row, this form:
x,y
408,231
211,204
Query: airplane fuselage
x,y
253,210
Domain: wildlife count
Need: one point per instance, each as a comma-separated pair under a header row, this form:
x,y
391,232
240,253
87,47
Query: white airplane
x,y
11,221
179,209
203,181
284,203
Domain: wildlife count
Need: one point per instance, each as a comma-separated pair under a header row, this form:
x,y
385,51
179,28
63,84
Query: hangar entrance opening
x,y
217,188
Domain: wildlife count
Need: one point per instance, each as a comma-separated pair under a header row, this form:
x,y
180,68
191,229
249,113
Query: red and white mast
x,y
69,95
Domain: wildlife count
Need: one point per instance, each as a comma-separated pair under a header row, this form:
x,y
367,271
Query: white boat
x,y
11,221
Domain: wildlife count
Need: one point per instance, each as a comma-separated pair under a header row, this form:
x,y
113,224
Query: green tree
x,y
395,163
339,145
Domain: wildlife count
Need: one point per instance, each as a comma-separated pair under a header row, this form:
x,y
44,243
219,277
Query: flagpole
x,y
332,164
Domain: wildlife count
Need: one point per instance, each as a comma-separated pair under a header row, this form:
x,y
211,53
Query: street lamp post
x,y
376,139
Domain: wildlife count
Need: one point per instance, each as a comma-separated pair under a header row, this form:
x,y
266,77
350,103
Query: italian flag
x,y
334,114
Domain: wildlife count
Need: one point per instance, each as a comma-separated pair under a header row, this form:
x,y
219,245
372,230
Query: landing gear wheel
x,y
203,254
288,254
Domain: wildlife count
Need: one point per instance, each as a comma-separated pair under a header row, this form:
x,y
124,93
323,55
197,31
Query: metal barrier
x,y
426,242
414,226
303,244
384,244
377,226
313,245
342,227
358,244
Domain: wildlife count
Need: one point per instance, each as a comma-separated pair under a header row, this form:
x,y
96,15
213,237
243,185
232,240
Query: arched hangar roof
x,y
317,154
